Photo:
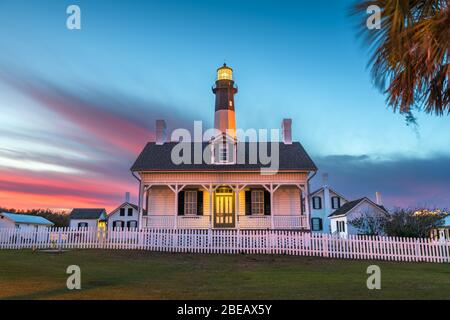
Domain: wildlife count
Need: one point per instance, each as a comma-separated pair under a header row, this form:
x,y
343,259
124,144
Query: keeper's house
x,y
226,188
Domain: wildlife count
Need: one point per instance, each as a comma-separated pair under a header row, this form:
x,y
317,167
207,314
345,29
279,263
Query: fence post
x,y
325,245
59,239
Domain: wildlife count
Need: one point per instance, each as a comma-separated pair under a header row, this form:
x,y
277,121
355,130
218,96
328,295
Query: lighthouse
x,y
224,89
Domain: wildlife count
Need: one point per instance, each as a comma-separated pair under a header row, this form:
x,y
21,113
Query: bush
x,y
415,223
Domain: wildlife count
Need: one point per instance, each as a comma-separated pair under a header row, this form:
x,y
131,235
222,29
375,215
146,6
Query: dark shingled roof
x,y
350,205
158,158
87,213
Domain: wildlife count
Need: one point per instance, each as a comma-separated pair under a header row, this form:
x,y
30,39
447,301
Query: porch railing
x,y
244,222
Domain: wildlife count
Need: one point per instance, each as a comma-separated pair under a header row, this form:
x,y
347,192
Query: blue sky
x,y
138,60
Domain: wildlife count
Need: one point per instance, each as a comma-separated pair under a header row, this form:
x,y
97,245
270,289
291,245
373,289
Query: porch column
x,y
211,213
140,204
236,205
307,209
144,206
175,223
272,222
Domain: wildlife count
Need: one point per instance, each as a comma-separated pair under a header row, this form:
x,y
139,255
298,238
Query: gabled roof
x,y
292,157
123,205
88,213
332,190
27,219
347,207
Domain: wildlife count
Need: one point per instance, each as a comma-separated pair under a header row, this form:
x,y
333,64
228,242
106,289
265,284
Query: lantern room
x,y
224,73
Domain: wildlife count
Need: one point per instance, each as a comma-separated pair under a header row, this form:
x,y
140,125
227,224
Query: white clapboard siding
x,y
286,201
231,242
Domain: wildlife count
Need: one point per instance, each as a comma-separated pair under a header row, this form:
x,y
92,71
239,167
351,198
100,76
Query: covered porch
x,y
225,206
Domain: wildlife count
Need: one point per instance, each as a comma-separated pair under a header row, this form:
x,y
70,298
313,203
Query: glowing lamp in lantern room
x,y
224,73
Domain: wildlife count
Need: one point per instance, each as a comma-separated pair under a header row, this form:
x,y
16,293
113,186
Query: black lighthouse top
x,y
224,89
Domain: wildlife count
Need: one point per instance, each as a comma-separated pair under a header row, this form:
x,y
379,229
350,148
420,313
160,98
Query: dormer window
x,y
224,150
223,153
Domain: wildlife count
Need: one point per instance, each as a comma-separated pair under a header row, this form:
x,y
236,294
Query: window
x,y
132,224
340,226
122,212
190,202
257,202
118,224
130,212
316,224
82,225
335,202
317,203
223,153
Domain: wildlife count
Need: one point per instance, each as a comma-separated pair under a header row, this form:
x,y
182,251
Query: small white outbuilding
x,y
23,221
125,216
88,218
340,219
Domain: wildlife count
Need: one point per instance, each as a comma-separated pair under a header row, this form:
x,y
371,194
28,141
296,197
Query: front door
x,y
224,208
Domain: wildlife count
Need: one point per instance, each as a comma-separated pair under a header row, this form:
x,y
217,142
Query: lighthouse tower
x,y
225,117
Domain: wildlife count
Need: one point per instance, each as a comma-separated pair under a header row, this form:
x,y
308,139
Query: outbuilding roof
x,y
351,204
87,213
27,219
292,157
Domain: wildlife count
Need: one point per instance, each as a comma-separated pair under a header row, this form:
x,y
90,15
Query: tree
x,y
413,223
369,224
410,53
401,223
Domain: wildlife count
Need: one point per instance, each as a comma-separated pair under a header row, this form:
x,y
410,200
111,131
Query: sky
x,y
77,106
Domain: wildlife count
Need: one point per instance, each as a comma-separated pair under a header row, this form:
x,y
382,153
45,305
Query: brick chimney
x,y
127,197
378,197
286,127
161,132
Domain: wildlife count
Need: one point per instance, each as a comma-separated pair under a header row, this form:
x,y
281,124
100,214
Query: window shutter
x,y
199,203
248,203
181,203
266,203
320,225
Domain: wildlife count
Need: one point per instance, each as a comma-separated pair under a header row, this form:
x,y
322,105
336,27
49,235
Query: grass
x,y
148,275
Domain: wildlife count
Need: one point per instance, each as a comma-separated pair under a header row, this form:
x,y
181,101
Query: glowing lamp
x,y
224,73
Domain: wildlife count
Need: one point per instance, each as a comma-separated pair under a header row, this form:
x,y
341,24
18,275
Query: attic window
x,y
224,152
335,202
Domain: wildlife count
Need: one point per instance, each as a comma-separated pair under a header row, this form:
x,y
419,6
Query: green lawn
x,y
148,275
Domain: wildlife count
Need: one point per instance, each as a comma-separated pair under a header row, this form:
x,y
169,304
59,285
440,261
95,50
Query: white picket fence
x,y
232,242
